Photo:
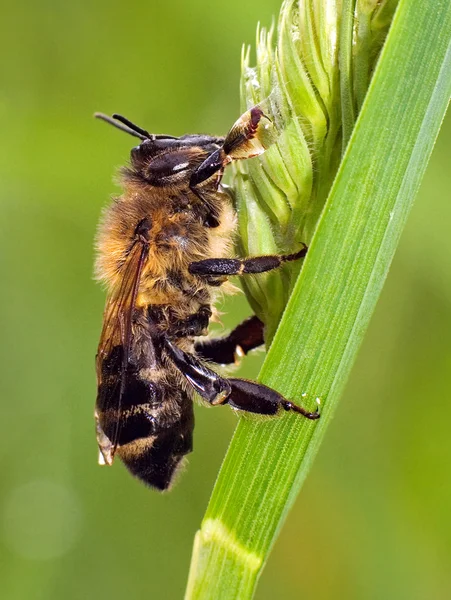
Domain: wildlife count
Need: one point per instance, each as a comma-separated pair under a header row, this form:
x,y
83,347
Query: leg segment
x,y
196,324
206,382
247,336
242,266
250,136
239,393
257,398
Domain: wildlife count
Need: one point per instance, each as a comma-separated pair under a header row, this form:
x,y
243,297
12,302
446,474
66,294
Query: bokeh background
x,y
373,520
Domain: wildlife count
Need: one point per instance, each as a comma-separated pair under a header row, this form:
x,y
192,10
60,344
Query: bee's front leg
x,y
250,136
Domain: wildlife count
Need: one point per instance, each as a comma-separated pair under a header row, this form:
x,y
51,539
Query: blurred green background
x,y
373,520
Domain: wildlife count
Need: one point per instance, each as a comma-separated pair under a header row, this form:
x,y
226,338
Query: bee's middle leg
x,y
194,325
225,350
211,267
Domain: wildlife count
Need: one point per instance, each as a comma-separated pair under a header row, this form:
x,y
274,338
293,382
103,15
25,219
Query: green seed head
x,y
311,89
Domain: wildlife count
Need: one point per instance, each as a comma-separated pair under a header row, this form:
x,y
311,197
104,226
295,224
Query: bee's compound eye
x,y
170,167
169,164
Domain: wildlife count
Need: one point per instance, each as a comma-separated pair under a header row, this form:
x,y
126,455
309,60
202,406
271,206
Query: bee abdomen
x,y
152,425
156,458
135,392
128,412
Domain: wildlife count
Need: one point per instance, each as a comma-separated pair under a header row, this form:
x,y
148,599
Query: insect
x,y
164,250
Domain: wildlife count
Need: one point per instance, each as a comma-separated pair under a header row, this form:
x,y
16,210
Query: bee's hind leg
x,y
257,398
239,393
225,350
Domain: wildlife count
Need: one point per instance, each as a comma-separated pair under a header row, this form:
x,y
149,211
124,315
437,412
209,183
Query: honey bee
x,y
164,250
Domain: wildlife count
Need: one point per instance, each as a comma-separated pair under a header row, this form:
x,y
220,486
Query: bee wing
x,y
117,333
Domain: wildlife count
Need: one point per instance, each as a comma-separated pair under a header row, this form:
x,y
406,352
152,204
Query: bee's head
x,y
163,160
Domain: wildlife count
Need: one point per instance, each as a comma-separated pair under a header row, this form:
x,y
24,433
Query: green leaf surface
x,y
333,299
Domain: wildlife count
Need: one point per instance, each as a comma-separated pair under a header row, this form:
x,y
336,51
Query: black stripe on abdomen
x,y
155,460
131,415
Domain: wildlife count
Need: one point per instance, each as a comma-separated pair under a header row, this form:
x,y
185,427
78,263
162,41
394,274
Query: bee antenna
x,y
132,126
125,125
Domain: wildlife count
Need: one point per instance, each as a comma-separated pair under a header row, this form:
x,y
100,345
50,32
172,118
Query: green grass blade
x,y
333,299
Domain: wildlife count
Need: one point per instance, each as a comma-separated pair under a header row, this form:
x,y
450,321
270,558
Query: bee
x,y
164,251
